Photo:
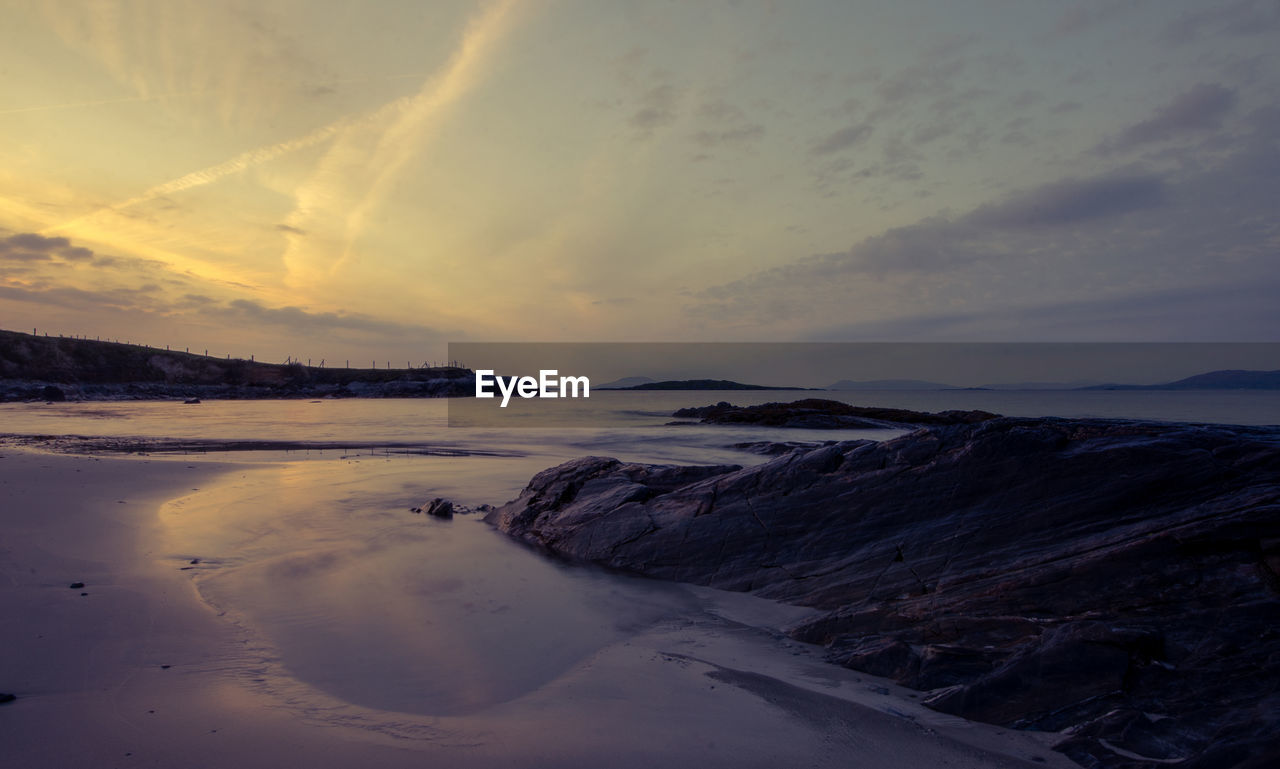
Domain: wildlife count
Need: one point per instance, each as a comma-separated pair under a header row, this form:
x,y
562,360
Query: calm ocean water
x,y
630,415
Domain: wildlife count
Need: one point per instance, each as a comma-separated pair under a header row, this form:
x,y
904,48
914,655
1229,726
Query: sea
x,y
349,599
630,421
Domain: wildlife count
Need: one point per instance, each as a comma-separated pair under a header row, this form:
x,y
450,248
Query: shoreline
x,y
107,446
1052,574
91,686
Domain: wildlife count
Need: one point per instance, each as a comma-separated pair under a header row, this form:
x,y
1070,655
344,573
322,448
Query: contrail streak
x,y
396,126
211,174
373,159
183,94
398,144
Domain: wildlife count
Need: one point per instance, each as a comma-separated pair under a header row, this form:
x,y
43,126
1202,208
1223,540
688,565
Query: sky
x,y
373,180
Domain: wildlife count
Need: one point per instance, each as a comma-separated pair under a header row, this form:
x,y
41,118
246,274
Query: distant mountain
x,y
1212,380
624,383
1229,380
704,384
888,384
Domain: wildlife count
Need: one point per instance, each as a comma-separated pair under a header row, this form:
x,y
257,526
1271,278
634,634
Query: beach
x,y
143,671
263,586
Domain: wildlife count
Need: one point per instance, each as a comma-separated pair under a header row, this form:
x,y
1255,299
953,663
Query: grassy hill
x,y
25,358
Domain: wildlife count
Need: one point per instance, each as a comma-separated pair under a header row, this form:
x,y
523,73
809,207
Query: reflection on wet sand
x,y
380,607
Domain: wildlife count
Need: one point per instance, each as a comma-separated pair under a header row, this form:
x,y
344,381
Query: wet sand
x,y
145,671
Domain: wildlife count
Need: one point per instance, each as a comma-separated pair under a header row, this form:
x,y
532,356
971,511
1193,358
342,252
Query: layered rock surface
x,y
1120,580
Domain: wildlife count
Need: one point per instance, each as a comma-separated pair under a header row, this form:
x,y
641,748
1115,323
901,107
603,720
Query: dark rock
x,y
52,394
704,411
822,414
1036,573
877,655
444,508
440,508
948,664
191,400
6,697
1068,663
562,506
76,585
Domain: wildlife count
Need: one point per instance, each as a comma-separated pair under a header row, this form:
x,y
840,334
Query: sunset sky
x,y
374,179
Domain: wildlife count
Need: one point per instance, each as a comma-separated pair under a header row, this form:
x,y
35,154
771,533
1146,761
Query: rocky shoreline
x,y
1116,581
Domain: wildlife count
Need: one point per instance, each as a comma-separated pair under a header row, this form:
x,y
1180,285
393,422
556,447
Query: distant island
x,y
699,384
60,368
625,383
1214,380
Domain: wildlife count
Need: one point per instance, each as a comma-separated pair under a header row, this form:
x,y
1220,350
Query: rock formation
x,y
1117,579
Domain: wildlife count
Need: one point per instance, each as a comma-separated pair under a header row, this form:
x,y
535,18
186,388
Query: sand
x,y
142,672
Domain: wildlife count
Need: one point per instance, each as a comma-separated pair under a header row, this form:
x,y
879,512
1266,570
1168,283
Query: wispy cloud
x,y
147,300
1199,109
365,159
300,320
1020,223
657,109
1072,201
1241,18
31,246
1081,245
1238,312
157,49
129,299
842,139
